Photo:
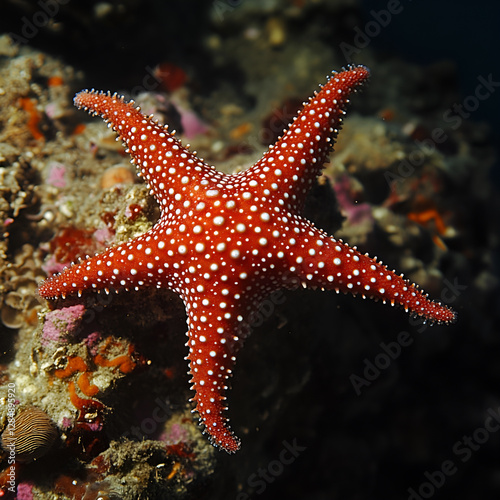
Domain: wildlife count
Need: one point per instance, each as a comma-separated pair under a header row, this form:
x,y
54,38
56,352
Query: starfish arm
x,y
296,160
173,173
215,335
333,265
127,266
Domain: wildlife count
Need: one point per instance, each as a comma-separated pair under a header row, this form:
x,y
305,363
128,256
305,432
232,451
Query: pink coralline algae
x,y
91,341
67,423
52,265
56,176
103,235
24,491
62,323
192,125
356,213
176,434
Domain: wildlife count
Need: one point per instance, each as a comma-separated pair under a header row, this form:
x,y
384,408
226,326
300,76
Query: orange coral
x,y
55,81
240,131
87,436
429,215
125,364
75,364
424,217
79,129
86,386
77,401
29,106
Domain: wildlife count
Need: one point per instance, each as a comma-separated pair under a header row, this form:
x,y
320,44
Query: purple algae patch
x,y
62,323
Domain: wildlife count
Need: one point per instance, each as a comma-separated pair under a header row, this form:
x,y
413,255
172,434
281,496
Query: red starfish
x,y
224,242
